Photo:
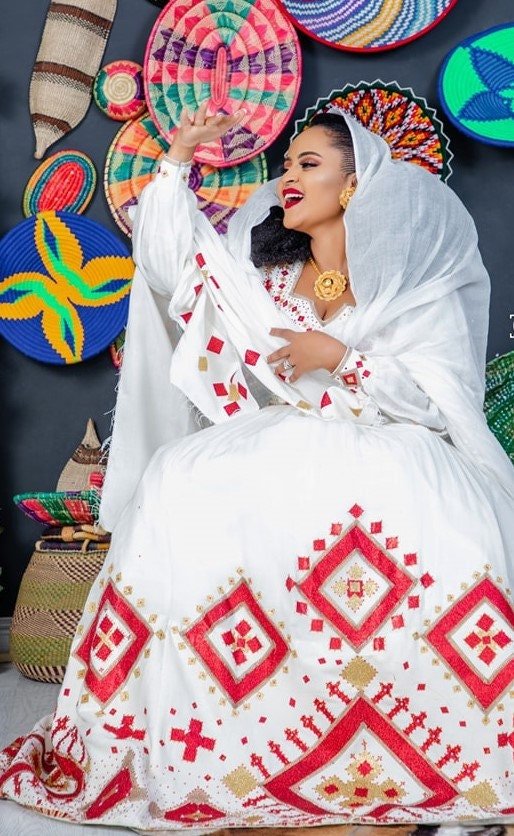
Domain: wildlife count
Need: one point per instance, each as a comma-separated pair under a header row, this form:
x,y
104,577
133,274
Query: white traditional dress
x,y
306,613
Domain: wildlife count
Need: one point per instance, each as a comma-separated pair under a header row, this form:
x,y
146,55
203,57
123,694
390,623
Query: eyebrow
x,y
303,154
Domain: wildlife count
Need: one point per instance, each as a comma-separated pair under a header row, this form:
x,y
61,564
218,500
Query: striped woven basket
x,y
50,603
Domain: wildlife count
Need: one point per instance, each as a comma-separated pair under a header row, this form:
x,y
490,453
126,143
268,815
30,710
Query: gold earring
x,y
346,195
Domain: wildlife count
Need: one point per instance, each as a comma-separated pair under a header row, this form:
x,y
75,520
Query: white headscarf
x,y
422,299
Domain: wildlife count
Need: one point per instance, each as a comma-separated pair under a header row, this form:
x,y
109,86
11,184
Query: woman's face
x,y
312,181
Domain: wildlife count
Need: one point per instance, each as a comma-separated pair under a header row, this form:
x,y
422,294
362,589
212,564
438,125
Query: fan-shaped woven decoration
x,y
69,55
134,157
64,287
499,400
366,25
65,182
476,85
234,52
118,90
405,120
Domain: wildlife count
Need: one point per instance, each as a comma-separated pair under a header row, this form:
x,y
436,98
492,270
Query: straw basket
x,y
50,603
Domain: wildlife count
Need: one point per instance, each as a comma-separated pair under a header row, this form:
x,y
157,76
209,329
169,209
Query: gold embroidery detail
x,y
140,602
240,782
483,795
203,364
358,672
233,392
84,698
124,696
127,590
303,405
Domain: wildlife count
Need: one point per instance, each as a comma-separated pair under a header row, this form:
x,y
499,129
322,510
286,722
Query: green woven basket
x,y
499,400
50,603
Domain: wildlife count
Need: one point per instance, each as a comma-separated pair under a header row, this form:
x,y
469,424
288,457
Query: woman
x,y
306,615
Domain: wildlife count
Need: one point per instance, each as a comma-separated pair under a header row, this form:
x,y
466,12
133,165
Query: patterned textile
x,y
69,55
64,286
50,602
411,127
366,25
349,666
134,158
236,52
65,182
476,82
118,90
499,400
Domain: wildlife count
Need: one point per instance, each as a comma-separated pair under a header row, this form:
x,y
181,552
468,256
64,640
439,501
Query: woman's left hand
x,y
306,351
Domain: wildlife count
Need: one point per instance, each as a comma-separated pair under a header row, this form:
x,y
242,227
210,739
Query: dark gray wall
x,y
43,409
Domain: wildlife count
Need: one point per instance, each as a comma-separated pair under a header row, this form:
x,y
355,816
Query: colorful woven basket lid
x,y
405,120
65,182
66,508
499,400
476,85
77,498
134,157
116,350
118,90
64,287
366,25
235,52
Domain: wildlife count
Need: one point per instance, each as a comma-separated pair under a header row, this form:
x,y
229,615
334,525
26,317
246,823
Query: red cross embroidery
x,y
107,638
484,639
241,642
193,739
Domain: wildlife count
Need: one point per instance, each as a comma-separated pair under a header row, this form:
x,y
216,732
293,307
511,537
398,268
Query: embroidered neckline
x,y
294,275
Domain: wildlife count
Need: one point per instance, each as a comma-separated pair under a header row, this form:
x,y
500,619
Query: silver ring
x,y
287,365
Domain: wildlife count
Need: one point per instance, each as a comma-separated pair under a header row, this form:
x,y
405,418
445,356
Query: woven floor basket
x,y
50,603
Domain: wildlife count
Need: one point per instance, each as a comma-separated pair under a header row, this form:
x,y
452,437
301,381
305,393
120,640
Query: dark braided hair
x,y
272,242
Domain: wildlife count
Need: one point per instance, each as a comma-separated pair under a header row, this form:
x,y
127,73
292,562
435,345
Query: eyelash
x,y
311,165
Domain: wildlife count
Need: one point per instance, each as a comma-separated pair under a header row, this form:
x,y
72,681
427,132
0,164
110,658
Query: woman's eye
x,y
306,164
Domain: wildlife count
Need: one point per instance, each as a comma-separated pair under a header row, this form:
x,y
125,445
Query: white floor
x,y
22,703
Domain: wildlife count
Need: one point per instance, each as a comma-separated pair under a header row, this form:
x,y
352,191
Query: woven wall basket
x,y
69,56
50,603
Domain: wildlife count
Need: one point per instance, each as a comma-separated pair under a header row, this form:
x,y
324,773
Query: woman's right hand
x,y
198,128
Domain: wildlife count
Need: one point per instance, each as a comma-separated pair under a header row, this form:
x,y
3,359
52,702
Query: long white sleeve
x,y
163,228
389,383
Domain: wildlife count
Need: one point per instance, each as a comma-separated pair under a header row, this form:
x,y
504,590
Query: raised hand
x,y
196,128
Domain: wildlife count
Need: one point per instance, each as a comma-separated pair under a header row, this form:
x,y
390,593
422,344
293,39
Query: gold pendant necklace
x,y
329,285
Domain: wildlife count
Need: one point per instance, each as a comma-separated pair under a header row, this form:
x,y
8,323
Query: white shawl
x,y
421,318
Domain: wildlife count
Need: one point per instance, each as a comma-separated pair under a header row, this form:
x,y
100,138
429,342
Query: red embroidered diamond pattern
x,y
356,585
112,645
215,345
193,812
476,639
351,765
238,643
251,357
